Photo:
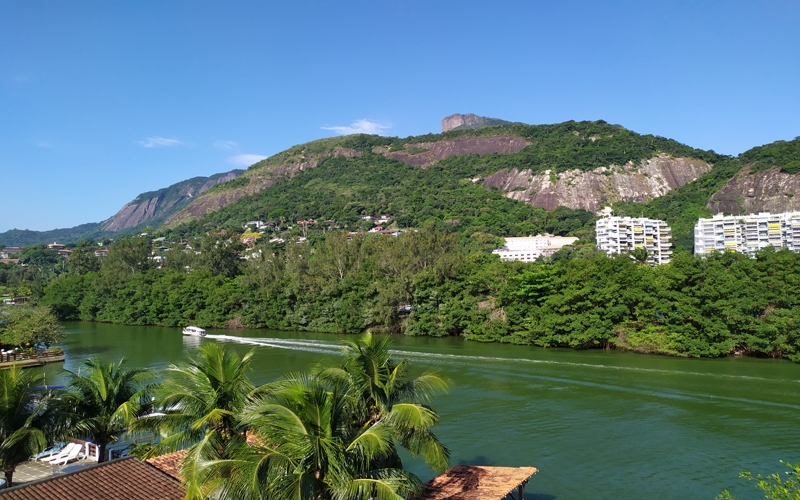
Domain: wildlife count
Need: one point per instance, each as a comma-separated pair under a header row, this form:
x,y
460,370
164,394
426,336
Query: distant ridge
x,y
468,121
149,209
152,208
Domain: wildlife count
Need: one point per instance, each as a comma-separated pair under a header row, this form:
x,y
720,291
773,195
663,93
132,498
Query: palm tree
x,y
199,405
382,390
104,401
201,401
310,447
332,434
21,419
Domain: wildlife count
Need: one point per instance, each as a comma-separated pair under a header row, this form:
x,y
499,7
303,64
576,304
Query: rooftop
x,y
120,479
475,482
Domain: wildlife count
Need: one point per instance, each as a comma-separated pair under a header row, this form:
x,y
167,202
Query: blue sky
x,y
100,101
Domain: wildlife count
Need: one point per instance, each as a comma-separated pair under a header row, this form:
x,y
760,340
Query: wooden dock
x,y
27,360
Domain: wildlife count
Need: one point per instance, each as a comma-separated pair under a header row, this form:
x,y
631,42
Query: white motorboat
x,y
194,331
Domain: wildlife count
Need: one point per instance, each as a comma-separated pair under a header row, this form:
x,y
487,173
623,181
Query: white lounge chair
x,y
64,452
72,455
49,452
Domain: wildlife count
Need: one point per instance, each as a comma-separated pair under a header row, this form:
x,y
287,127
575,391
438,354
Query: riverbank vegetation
x,y
438,282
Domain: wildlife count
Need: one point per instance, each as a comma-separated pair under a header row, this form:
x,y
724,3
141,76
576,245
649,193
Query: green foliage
x,y
19,237
326,435
775,486
783,154
201,401
23,421
344,189
82,259
27,327
103,401
129,254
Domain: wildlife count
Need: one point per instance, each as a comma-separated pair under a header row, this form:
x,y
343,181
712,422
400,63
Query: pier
x,y
9,359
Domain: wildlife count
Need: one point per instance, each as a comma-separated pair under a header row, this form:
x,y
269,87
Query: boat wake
x,y
335,348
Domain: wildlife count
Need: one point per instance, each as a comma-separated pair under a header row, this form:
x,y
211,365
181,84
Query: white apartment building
x,y
529,248
617,235
747,234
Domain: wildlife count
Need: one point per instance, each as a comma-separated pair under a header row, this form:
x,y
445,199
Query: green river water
x,y
597,424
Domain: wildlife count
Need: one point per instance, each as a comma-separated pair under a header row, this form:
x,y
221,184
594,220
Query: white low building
x,y
530,248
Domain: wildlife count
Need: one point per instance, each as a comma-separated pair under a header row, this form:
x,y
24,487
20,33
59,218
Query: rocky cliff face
x,y
752,192
595,189
422,154
468,121
155,206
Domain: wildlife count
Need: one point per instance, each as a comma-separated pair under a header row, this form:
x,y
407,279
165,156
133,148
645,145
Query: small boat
x,y
194,331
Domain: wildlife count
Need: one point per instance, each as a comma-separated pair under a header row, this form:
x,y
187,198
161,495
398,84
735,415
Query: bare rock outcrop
x,y
752,192
422,154
469,121
458,120
596,188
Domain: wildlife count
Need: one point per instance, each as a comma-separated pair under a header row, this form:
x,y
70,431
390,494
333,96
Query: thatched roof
x,y
475,482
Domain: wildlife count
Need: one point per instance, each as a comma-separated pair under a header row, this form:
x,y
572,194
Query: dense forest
x,y
711,306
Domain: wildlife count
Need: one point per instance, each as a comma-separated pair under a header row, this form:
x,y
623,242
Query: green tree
x,y
104,400
25,326
82,259
219,255
22,419
202,399
310,447
331,435
381,391
128,254
775,486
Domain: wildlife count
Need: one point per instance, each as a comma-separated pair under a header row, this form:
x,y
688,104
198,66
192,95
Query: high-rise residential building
x,y
747,233
617,235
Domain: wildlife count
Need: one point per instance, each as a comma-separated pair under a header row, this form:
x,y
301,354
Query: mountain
x,y
461,122
153,207
147,209
466,176
577,165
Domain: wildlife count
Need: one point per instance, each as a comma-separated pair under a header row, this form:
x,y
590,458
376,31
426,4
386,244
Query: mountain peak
x,y
459,121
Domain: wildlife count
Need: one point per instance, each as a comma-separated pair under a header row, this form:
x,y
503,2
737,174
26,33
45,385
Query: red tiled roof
x,y
171,463
474,482
122,479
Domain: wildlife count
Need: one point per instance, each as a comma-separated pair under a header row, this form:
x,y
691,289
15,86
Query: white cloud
x,y
362,126
226,144
245,160
157,142
44,144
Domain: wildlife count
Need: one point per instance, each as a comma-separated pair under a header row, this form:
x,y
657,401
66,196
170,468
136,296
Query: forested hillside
x,y
346,177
